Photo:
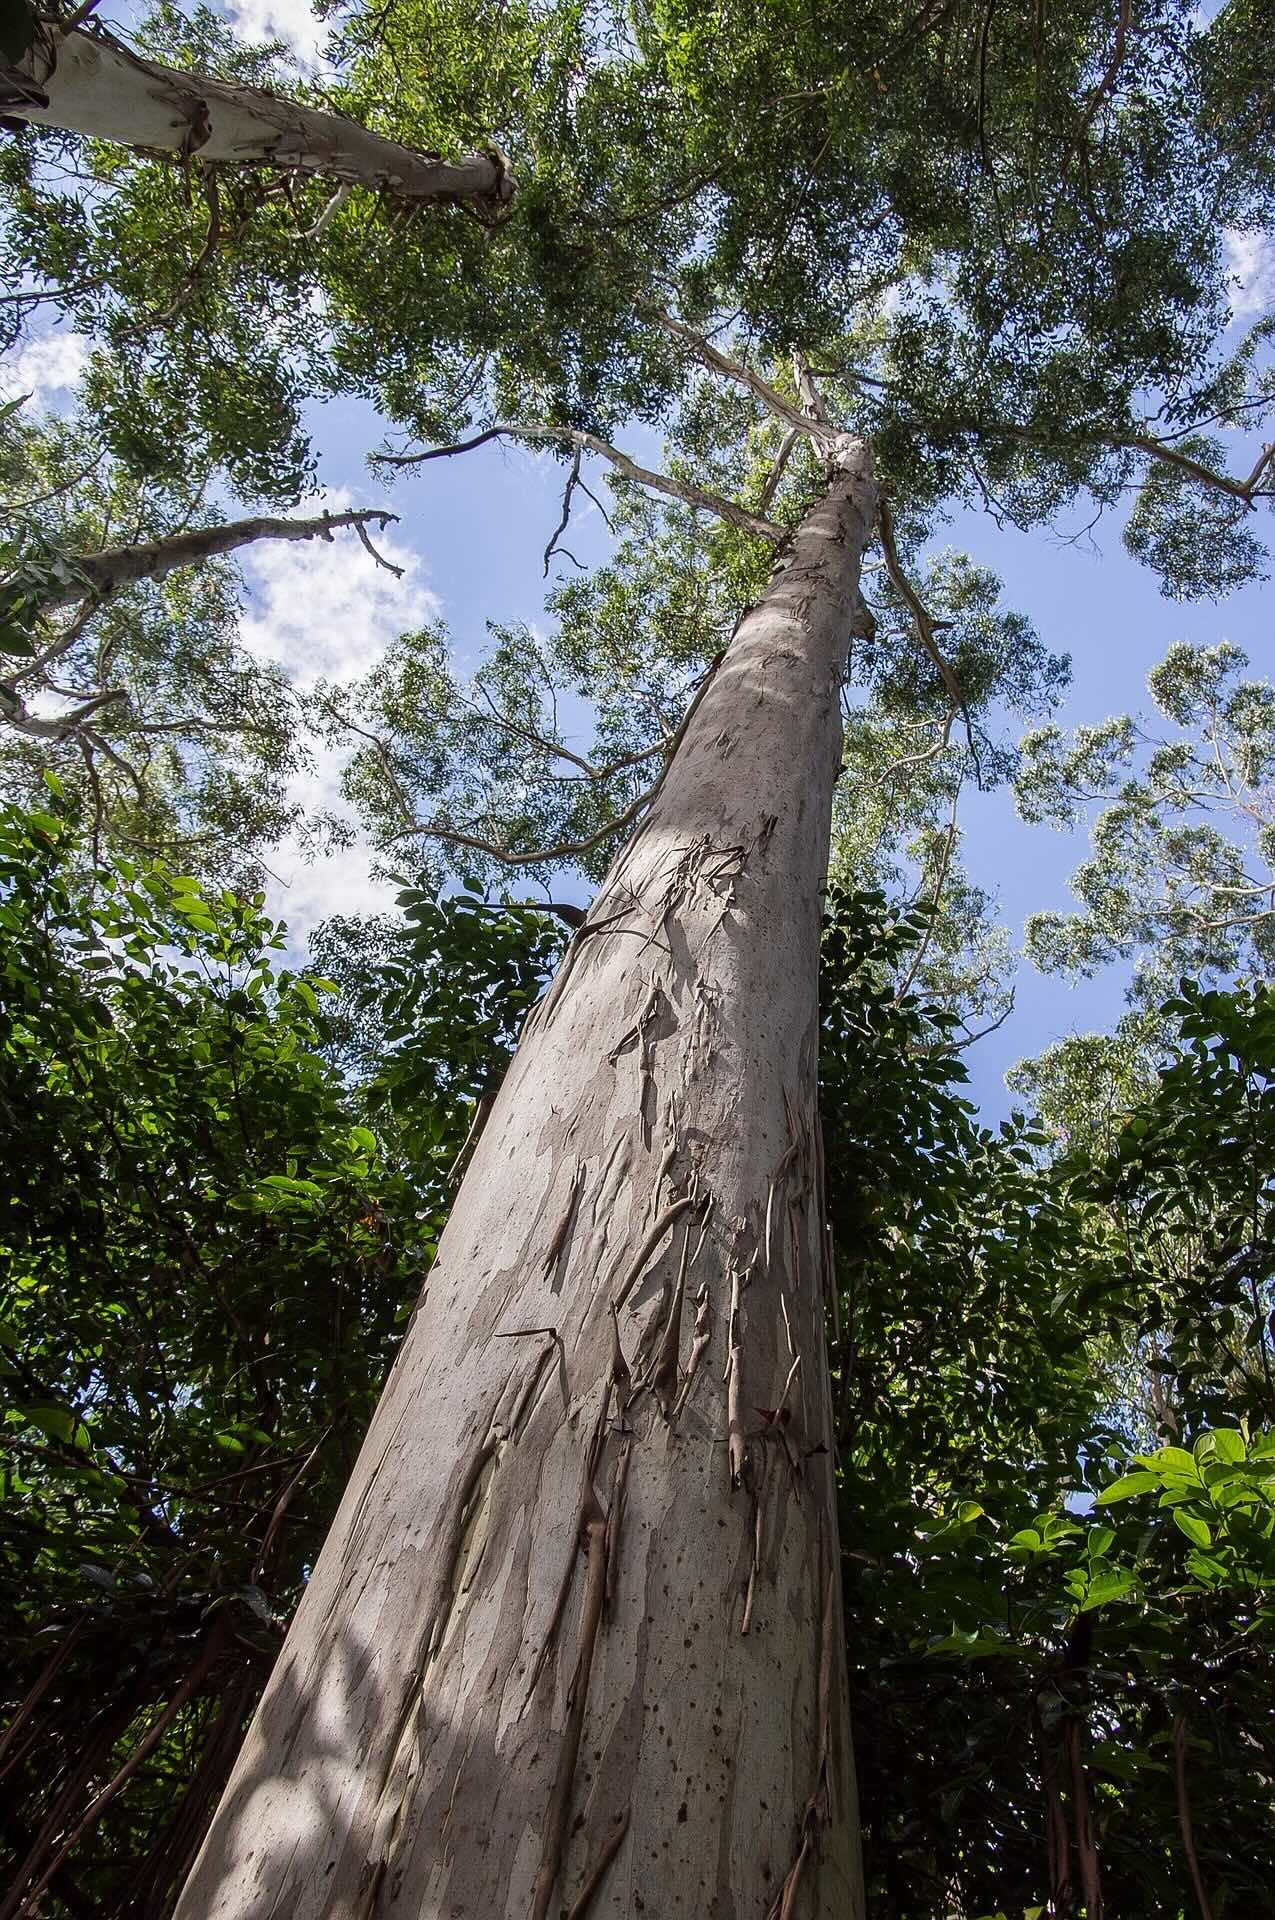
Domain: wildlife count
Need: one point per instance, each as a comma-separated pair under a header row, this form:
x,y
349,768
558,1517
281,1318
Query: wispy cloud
x,y
1250,260
292,21
47,367
326,611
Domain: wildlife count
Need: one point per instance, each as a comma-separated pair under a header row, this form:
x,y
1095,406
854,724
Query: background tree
x,y
123,669
1180,881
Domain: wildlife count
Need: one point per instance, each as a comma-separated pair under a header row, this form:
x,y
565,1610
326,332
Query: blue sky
x,y
471,540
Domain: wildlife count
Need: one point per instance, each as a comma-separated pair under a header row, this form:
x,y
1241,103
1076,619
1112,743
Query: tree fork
x,y
495,1697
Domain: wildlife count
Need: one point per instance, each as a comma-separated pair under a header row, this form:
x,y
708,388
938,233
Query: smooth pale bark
x,y
575,1638
95,85
114,568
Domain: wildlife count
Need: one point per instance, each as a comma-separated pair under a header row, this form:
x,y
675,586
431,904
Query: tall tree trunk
x,y
91,83
575,1639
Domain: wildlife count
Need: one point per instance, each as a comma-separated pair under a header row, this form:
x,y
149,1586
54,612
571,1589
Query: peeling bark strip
x,y
517,1684
91,83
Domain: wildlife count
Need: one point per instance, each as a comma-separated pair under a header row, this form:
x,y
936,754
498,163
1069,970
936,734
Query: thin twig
x,y
682,490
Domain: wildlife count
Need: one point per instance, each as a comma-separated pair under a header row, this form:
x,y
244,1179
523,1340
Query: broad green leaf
x,y
1105,1587
1195,1529
1125,1488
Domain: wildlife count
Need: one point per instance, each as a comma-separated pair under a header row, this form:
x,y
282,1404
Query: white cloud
x,y
307,887
1250,260
50,365
324,610
292,21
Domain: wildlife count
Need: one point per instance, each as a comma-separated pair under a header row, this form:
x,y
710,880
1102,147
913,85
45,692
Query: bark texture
x,y
91,83
574,1644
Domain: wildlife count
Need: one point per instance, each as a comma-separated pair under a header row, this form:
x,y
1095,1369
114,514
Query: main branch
x,y
91,83
99,575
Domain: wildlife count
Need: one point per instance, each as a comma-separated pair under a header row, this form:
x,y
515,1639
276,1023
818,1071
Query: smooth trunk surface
x,y
97,86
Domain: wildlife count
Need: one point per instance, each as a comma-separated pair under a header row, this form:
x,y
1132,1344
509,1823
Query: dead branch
x,y
572,482
114,568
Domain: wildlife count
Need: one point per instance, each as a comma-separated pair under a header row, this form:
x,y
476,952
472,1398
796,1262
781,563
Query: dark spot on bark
x,y
681,1815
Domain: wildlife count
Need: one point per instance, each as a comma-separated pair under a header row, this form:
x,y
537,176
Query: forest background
x,y
1119,1236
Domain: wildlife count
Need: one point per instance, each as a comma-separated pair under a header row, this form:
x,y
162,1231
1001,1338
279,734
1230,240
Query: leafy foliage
x,y
1053,1689
1051,1378
172,738
210,1246
1181,879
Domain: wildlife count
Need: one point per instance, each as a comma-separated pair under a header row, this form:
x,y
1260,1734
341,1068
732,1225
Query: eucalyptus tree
x,y
587,1565
544,1655
121,663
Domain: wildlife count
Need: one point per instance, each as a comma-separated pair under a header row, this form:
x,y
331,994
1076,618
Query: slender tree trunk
x,y
91,83
575,1639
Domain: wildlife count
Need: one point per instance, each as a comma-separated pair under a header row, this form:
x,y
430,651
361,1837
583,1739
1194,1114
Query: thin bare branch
x,y
360,529
1238,489
572,481
682,490
61,726
940,881
329,213
569,849
923,758
776,473
561,850
925,626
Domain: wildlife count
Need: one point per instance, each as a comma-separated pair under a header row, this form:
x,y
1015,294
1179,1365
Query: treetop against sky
x,y
1040,312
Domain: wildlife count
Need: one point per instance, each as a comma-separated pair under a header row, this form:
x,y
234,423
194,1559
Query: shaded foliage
x,y
232,1180
209,1248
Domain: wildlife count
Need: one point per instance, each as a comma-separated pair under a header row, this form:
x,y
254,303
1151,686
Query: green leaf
x,y
13,640
1105,1587
60,1424
1126,1487
1195,1529
1172,1461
